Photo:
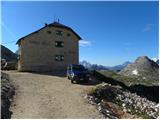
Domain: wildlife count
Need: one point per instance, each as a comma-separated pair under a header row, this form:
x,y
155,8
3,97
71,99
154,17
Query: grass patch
x,y
128,81
92,90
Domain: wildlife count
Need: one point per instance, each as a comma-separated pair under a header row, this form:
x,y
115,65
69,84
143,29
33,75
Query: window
x,y
59,57
49,32
59,44
59,32
68,34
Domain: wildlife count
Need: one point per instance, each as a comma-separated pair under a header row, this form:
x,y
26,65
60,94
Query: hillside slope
x,y
8,54
143,69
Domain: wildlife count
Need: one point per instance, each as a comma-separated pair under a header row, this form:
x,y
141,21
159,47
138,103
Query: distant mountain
x,y
101,67
142,68
119,67
86,64
93,66
8,54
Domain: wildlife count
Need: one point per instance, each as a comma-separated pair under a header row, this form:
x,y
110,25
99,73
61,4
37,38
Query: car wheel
x,y
72,81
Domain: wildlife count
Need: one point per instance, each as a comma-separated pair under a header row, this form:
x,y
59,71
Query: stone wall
x,y
38,50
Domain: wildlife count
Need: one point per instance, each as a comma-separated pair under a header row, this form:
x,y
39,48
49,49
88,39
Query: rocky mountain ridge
x,y
8,54
102,67
142,68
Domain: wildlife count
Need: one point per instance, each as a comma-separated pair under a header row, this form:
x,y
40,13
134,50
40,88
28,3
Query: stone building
x,y
51,48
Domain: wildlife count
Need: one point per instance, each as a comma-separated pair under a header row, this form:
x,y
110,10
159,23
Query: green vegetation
x,y
107,74
92,90
140,113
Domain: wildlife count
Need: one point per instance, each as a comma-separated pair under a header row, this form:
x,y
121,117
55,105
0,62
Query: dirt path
x,y
46,96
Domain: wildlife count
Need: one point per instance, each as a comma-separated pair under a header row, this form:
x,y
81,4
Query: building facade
x,y
52,48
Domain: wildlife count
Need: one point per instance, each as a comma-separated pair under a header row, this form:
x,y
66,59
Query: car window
x,y
78,67
69,68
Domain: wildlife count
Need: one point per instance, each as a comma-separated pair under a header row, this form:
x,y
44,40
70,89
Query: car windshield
x,y
78,67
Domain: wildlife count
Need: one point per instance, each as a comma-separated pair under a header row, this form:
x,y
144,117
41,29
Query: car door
x,y
69,71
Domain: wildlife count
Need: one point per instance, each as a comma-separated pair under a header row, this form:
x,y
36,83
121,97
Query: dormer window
x,y
59,32
59,44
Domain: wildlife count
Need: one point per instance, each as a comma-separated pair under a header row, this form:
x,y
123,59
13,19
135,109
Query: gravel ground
x,y
50,97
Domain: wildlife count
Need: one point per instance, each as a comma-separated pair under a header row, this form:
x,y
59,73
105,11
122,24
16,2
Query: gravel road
x,y
46,96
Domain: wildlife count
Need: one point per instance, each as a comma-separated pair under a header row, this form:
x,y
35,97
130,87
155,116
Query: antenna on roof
x,y
54,18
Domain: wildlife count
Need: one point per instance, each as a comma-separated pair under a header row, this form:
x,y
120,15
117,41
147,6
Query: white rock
x,y
86,96
135,72
144,78
123,105
99,108
124,110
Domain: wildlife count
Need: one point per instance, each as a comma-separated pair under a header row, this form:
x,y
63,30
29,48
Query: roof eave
x,y
50,25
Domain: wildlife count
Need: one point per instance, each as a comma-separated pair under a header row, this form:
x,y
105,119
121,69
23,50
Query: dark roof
x,y
55,24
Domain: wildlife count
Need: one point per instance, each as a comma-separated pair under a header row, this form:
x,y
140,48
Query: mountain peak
x,y
142,58
143,67
154,59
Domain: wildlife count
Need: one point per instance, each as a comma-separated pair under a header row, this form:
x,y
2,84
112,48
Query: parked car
x,y
77,73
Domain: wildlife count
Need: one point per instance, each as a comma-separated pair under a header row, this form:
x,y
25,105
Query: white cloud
x,y
148,27
154,59
85,43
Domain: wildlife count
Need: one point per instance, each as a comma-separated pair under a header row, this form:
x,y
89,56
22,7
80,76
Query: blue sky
x,y
112,32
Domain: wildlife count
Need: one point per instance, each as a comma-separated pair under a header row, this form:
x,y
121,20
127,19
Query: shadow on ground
x,y
91,82
58,74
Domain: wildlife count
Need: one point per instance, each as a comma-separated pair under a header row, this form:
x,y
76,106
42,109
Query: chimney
x,y
46,24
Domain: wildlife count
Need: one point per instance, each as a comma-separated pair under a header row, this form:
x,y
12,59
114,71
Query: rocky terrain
x,y
143,68
7,92
8,54
157,61
107,98
135,91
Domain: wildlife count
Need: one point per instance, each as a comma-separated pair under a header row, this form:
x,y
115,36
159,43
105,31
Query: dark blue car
x,y
77,73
